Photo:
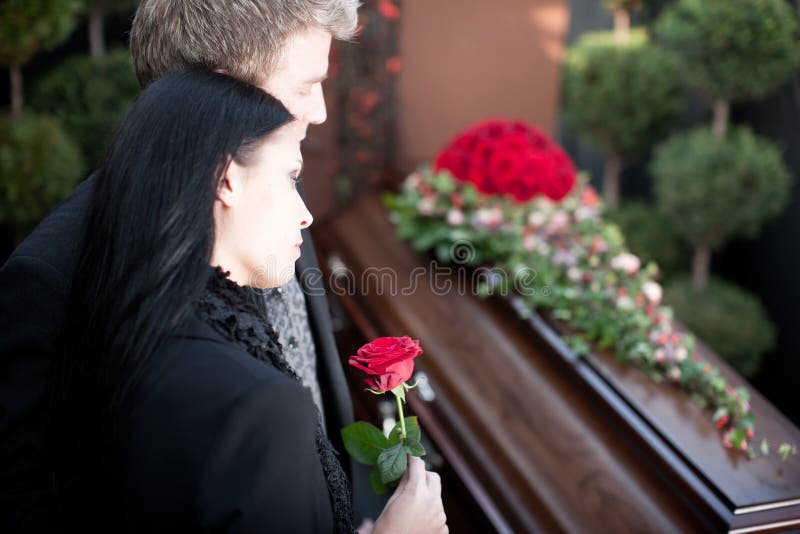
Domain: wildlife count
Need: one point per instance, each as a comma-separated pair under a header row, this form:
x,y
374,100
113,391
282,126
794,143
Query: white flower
x,y
583,213
660,355
626,262
543,248
653,292
455,217
675,374
426,206
625,303
681,354
488,217
412,181
536,218
574,274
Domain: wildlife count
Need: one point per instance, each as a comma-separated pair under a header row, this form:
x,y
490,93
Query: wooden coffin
x,y
528,437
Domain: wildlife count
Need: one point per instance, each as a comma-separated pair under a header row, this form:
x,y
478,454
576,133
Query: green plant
x,y
714,189
732,50
90,96
650,235
39,166
28,26
97,10
619,98
731,320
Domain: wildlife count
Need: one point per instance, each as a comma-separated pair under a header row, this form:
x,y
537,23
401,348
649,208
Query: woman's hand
x,y
416,505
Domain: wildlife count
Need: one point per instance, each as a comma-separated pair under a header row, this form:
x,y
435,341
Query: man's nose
x,y
317,114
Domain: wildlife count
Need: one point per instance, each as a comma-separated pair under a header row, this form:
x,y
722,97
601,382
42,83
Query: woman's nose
x,y
305,216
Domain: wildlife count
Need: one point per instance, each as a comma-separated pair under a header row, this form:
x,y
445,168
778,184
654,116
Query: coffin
x,y
526,436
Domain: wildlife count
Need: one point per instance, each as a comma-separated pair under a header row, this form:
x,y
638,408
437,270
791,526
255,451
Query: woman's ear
x,y
231,185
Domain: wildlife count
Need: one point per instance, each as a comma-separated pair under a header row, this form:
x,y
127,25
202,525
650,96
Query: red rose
x,y
388,360
509,158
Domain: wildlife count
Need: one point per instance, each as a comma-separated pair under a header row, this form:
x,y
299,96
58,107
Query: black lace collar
x,y
229,308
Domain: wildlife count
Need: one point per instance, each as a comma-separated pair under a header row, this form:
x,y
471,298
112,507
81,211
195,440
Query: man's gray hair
x,y
244,38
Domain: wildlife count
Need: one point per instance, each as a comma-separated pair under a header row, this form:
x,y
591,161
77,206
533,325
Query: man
x,y
281,46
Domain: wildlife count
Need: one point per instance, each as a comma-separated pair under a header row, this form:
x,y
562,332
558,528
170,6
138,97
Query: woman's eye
x,y
296,180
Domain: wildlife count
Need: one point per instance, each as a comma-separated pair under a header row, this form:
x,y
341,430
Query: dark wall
x,y
768,265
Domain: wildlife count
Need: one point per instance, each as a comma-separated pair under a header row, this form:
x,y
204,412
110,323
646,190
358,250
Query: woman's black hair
x,y
145,253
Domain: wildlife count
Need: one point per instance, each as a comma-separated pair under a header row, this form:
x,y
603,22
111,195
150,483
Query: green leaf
x,y
414,447
412,431
364,442
392,463
375,481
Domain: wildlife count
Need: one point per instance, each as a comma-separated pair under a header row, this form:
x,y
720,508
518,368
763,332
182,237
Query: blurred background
x,y
634,90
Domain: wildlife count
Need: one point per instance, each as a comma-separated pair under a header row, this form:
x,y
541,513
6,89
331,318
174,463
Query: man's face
x,y
297,79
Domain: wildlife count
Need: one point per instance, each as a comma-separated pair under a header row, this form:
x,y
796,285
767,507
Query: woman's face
x,y
259,213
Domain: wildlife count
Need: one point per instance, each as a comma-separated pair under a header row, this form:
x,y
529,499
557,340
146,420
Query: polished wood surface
x,y
540,440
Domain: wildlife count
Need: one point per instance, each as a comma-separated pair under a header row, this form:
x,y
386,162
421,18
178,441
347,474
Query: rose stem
x,y
402,419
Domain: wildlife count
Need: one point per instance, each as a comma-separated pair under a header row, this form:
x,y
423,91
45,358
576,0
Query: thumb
x,y
415,471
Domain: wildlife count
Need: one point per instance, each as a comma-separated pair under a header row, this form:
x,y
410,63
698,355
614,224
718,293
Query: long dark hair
x,y
144,257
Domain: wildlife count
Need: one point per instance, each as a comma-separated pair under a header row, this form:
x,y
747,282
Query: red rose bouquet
x,y
388,363
509,157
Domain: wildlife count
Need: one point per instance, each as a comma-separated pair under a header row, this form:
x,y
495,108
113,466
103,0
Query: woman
x,y
173,407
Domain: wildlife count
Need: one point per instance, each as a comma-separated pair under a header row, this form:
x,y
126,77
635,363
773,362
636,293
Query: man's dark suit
x,y
33,285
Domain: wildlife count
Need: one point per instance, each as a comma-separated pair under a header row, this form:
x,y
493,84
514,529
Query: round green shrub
x,y
39,166
28,26
733,49
649,235
727,318
90,96
714,189
620,97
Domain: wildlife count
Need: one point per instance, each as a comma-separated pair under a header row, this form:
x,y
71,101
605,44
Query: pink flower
x,y
626,262
660,355
726,440
529,243
558,223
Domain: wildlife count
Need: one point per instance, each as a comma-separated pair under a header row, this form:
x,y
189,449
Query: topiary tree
x,y
713,189
89,96
39,166
97,12
731,320
619,98
28,26
622,10
732,50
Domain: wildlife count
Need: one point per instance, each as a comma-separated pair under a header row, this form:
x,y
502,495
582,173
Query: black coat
x,y
217,441
33,285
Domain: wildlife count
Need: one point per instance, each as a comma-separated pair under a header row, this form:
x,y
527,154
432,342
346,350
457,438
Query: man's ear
x,y
231,186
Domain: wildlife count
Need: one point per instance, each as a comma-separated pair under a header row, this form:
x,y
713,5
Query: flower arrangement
x,y
553,226
388,363
508,157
